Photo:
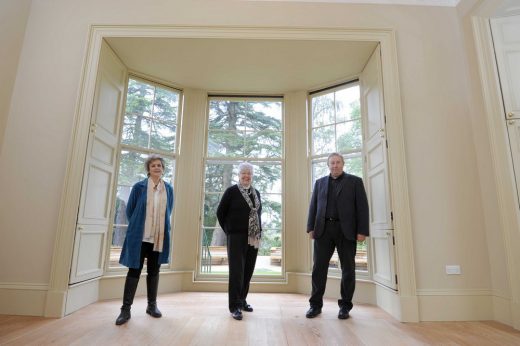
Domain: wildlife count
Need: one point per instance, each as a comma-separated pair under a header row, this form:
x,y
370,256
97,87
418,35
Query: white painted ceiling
x,y
449,3
244,66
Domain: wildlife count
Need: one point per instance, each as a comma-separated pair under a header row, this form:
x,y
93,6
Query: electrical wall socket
x,y
453,269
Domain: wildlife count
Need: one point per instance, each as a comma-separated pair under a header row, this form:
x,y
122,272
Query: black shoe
x,y
153,311
123,317
237,314
313,312
343,313
247,308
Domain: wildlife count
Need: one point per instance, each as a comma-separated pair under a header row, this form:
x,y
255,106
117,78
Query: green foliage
x,y
270,238
336,121
245,129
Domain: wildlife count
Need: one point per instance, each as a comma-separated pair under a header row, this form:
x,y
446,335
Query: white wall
x,y
13,18
443,169
478,125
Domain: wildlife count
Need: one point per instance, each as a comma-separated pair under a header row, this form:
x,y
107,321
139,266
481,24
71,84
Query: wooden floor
x,y
194,318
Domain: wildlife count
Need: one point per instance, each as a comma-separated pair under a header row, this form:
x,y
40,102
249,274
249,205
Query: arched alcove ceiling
x,y
244,66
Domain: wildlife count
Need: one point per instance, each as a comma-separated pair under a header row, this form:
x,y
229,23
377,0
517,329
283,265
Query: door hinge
x,y
396,279
393,240
392,215
386,141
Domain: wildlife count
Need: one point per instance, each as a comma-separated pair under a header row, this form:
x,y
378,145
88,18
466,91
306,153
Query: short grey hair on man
x,y
150,159
245,166
335,154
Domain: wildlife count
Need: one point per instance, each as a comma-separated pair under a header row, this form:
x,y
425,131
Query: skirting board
x,y
111,287
22,299
456,305
502,310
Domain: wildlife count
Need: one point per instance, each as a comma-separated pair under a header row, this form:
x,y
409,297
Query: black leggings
x,y
152,262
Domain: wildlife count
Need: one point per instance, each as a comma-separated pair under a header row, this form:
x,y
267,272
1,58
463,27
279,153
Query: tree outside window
x,y
336,126
240,130
149,127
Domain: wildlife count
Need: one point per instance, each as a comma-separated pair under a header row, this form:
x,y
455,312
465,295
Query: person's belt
x,y
331,219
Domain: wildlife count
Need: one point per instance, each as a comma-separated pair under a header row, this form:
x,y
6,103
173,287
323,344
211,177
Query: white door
x,y
506,37
100,169
377,181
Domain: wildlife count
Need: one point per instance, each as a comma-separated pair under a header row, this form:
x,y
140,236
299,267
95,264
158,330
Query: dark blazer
x,y
352,207
233,211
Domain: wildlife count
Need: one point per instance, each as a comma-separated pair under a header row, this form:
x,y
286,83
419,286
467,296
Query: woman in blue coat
x,y
148,236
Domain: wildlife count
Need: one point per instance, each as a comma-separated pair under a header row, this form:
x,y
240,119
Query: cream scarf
x,y
150,223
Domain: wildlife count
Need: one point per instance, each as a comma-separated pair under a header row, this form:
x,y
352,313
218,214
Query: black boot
x,y
128,299
152,284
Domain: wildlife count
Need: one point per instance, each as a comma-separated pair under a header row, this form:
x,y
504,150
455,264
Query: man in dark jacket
x,y
338,218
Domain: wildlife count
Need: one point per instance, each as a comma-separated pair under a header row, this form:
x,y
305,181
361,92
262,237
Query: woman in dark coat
x,y
148,236
239,213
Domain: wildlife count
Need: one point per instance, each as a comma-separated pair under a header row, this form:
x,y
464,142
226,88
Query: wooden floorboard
x,y
200,318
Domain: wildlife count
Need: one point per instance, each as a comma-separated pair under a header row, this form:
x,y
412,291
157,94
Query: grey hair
x,y
245,166
335,154
150,159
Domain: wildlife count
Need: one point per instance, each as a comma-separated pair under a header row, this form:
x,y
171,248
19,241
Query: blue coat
x,y
136,214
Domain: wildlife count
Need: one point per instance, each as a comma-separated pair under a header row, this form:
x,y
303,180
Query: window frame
x,y
318,158
200,274
140,150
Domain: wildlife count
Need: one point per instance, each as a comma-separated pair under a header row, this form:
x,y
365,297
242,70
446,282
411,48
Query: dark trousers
x,y
152,262
332,238
241,259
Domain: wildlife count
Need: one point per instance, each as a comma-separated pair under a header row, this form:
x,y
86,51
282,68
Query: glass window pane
x,y
136,131
131,168
268,114
267,178
118,237
139,98
347,104
219,176
120,219
343,134
271,211
354,165
264,144
334,261
239,129
228,115
323,140
166,105
319,169
153,132
361,256
323,110
169,171
269,257
211,201
213,252
163,136
349,136
225,143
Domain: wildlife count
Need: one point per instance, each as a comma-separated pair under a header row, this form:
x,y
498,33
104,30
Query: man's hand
x,y
311,234
361,237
